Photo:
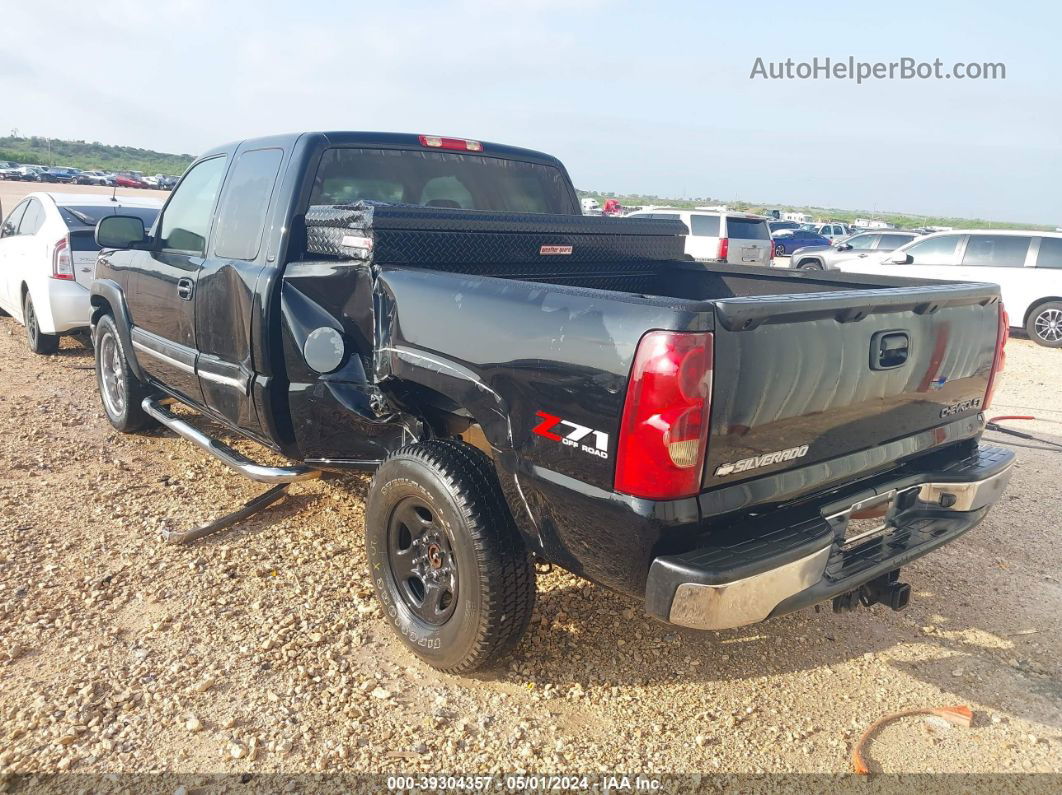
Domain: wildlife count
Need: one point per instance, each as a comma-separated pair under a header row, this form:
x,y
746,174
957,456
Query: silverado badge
x,y
755,462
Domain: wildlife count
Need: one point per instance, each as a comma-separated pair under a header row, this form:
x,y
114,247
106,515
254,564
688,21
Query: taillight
x,y
771,256
999,358
62,264
724,247
664,431
460,144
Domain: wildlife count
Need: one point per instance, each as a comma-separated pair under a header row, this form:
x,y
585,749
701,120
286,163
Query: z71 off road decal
x,y
573,434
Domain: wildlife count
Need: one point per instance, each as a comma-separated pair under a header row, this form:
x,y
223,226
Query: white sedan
x,y
48,260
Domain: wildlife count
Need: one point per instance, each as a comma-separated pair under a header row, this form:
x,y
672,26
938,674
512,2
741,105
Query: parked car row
x,y
59,174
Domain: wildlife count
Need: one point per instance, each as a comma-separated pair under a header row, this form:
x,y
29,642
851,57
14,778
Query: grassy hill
x,y
84,155
897,219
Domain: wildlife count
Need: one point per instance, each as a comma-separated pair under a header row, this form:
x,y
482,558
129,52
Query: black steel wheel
x,y
422,561
448,565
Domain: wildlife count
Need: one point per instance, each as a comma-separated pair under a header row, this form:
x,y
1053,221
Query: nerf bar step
x,y
224,453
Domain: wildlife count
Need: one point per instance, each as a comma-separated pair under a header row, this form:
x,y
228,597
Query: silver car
x,y
871,246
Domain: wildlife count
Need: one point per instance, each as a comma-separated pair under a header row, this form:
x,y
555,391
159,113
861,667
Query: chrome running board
x,y
224,453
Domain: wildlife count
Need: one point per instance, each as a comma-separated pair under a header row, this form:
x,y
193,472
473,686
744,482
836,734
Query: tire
x,y
463,598
779,250
1044,325
121,392
811,265
39,342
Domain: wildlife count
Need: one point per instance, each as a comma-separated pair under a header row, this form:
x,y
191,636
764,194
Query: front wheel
x,y
811,265
451,572
1044,325
121,392
39,342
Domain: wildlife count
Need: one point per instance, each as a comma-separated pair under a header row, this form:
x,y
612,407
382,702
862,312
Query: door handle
x,y
184,289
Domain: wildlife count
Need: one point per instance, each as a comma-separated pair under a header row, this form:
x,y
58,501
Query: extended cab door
x,y
162,299
227,287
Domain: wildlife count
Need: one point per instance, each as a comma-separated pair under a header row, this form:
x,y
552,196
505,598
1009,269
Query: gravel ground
x,y
262,648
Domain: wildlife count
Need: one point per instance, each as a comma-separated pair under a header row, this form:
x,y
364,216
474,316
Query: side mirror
x,y
900,259
844,246
120,231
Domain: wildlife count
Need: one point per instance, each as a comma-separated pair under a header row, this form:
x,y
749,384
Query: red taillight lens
x,y
1000,357
460,144
724,247
772,251
664,431
62,264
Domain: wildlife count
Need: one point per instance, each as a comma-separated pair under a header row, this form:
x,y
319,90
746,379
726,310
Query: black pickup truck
x,y
727,444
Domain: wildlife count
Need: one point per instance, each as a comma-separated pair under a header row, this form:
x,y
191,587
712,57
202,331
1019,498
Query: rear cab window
x,y
741,228
445,180
245,202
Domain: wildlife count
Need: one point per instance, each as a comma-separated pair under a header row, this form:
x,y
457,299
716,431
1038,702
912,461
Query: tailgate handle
x,y
889,349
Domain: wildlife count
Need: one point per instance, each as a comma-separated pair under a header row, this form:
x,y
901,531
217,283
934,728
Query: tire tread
x,y
507,578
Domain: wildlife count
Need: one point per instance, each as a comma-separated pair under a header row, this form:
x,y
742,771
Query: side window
x,y
863,242
242,213
889,242
10,226
33,218
186,220
935,251
997,251
1050,255
704,225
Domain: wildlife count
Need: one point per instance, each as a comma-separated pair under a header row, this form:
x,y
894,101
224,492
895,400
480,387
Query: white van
x,y
713,236
1027,266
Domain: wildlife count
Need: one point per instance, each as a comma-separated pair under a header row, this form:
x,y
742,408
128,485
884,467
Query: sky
x,y
634,97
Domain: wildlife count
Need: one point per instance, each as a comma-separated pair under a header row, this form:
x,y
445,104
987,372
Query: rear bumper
x,y
66,307
746,580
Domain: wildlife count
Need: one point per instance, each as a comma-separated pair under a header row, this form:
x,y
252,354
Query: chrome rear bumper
x,y
684,593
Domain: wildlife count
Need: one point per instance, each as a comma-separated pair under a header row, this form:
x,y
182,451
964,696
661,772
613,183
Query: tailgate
x,y
814,377
750,241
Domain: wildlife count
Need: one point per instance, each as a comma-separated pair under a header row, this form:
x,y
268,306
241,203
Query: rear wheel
x,y
1044,325
39,342
121,392
779,249
451,572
